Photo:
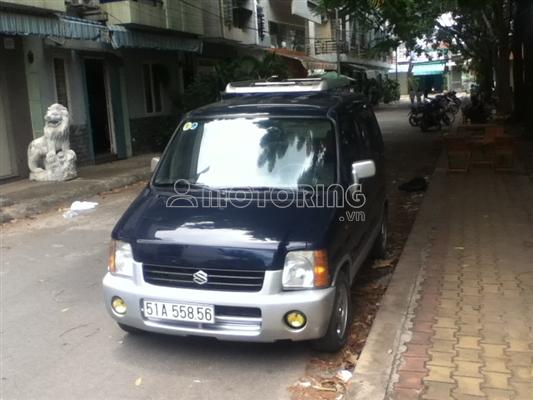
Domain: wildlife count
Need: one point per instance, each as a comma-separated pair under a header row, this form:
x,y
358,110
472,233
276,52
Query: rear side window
x,y
350,143
370,132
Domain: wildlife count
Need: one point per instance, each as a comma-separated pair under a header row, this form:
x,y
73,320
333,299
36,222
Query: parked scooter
x,y
434,115
415,115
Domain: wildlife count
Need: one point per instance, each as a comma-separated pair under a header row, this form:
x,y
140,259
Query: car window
x,y
251,152
370,132
350,144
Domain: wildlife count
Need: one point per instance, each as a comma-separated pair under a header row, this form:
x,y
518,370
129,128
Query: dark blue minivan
x,y
258,215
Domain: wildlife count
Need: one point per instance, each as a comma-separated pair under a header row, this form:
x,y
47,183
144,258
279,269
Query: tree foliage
x,y
206,88
481,30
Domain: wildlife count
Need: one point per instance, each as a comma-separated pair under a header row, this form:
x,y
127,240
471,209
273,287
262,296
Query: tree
x,y
481,31
206,88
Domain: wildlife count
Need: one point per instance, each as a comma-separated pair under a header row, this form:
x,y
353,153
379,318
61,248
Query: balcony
x,y
286,36
46,5
145,12
329,46
173,15
326,49
185,17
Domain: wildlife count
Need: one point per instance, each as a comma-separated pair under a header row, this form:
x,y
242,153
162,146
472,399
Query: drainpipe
x,y
337,41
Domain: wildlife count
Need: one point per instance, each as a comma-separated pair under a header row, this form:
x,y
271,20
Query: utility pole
x,y
396,60
337,41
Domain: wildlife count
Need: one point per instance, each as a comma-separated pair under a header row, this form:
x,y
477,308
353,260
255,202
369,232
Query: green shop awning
x,y
51,26
431,68
122,37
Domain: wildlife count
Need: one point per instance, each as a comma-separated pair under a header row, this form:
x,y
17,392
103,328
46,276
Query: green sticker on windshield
x,y
190,126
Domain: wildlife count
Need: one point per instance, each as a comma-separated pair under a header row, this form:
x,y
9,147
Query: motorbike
x,y
434,115
415,115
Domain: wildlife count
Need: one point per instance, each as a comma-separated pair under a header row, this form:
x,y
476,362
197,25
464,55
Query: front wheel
x,y
448,118
379,250
341,317
413,120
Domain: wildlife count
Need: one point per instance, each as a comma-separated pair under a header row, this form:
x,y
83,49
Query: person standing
x,y
412,87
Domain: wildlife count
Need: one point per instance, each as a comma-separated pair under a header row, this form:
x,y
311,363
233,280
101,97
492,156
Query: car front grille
x,y
235,280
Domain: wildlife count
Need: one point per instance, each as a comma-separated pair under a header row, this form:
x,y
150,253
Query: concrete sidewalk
x,y
23,198
457,319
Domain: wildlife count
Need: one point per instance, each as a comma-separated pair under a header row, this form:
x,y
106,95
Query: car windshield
x,y
251,153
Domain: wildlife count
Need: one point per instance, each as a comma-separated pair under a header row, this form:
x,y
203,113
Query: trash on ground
x,y
138,381
78,207
327,386
344,375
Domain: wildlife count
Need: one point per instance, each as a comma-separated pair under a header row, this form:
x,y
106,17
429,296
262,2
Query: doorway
x,y
6,161
98,108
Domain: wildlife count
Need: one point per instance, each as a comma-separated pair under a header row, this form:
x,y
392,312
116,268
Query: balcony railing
x,y
329,46
326,46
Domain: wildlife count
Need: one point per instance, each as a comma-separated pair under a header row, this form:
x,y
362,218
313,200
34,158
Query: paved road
x,y
59,343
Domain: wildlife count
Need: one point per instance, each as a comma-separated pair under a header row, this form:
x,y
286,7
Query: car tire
x,y
341,317
130,329
379,250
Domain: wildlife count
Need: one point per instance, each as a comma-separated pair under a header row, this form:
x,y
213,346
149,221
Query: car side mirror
x,y
153,164
363,169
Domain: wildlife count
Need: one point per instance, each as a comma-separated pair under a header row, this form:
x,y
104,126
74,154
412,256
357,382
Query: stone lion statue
x,y
49,156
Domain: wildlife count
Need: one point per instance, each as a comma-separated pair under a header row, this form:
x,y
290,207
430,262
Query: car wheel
x,y
341,318
130,329
380,245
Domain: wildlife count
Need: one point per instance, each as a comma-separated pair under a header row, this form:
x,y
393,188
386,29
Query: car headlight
x,y
120,259
305,270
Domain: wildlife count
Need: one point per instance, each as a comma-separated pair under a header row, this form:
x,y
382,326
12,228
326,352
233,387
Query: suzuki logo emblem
x,y
200,277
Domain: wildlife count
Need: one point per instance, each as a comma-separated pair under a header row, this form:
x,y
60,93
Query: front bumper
x,y
266,326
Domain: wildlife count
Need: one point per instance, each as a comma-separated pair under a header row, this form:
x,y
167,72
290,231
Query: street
x,y
59,343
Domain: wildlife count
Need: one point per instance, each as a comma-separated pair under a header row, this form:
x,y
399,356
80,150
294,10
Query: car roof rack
x,y
301,85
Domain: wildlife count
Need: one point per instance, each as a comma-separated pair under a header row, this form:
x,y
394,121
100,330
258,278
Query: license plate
x,y
204,314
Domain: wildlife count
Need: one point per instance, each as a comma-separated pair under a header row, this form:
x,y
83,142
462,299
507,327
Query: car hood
x,y
253,237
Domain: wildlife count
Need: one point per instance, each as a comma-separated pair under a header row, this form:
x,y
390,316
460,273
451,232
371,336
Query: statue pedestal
x,y
59,166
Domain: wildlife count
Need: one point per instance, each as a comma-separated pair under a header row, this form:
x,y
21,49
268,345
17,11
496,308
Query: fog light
x,y
119,305
295,319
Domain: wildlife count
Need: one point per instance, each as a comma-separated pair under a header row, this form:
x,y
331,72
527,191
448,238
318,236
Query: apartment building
x,y
118,66
121,66
353,37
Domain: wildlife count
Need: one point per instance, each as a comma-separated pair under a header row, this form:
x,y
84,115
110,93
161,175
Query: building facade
x,y
121,66
118,66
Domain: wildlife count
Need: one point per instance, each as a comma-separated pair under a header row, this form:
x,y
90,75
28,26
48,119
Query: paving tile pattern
x,y
470,335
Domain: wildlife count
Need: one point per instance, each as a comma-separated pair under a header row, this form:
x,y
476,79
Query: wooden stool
x,y
459,153
503,153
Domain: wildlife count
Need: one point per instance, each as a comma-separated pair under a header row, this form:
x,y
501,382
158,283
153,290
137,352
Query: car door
x,y
371,145
353,215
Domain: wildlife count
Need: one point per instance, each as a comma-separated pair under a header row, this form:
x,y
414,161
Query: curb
x,y
373,374
47,203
